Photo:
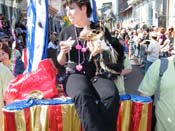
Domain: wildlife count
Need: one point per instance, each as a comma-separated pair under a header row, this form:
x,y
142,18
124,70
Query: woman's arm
x,y
65,47
61,58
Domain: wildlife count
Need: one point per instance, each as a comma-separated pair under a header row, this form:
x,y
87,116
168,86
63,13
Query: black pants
x,y
96,101
154,120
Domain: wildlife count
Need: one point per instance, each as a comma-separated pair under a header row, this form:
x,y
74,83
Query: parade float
x,y
36,102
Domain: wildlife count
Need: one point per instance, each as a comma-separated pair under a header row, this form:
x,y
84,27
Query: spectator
x,y
19,64
120,79
52,49
167,46
4,38
152,51
5,58
162,36
5,54
5,77
165,106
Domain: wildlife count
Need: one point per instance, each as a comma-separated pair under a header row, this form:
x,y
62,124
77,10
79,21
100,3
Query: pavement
x,y
134,78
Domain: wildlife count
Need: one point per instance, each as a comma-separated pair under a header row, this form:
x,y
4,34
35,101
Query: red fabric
x,y
9,121
55,118
127,43
136,116
25,57
119,118
27,118
149,117
42,81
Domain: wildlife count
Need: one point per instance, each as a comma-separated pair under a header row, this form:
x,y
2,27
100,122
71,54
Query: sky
x,y
98,3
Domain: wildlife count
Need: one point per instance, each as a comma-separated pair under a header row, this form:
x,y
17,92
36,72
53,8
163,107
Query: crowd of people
x,y
147,45
11,64
164,109
89,73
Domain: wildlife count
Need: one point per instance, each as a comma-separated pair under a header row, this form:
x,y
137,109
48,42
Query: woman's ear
x,y
84,9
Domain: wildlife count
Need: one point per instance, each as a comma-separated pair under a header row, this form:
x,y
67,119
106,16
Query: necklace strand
x,y
80,49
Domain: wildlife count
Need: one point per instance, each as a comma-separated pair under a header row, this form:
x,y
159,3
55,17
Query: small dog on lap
x,y
109,61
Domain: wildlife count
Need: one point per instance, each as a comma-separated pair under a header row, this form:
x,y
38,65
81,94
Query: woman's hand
x,y
65,47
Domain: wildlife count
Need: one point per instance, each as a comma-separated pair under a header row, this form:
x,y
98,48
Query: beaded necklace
x,y
81,49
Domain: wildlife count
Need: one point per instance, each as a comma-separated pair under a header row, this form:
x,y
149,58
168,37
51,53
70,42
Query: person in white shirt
x,y
53,42
52,49
152,51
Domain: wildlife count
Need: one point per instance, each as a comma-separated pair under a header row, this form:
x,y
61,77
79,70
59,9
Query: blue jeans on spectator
x,y
148,64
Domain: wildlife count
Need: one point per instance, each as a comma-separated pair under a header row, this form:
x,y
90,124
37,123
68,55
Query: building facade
x,y
54,11
140,12
7,7
170,16
148,12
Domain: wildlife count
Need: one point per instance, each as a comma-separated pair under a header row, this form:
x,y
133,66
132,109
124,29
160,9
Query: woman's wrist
x,y
61,58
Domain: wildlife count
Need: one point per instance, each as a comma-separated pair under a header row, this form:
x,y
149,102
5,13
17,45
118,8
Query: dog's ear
x,y
96,26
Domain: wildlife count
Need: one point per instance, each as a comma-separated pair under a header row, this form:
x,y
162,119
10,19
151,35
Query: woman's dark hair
x,y
6,49
80,3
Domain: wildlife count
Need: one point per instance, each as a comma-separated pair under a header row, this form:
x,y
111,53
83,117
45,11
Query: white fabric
x,y
154,50
52,45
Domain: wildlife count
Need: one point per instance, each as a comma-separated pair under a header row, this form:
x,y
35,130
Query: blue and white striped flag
x,y
93,17
37,32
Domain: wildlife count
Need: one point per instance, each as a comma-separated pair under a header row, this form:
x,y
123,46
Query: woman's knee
x,y
105,88
77,84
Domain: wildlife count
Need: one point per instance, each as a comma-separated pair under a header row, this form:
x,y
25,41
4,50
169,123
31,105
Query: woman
x,y
96,99
5,54
165,106
167,46
162,36
5,58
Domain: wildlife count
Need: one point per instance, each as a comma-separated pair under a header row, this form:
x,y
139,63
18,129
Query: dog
x,y
106,61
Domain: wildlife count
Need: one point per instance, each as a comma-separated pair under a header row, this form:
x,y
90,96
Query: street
x,y
133,79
